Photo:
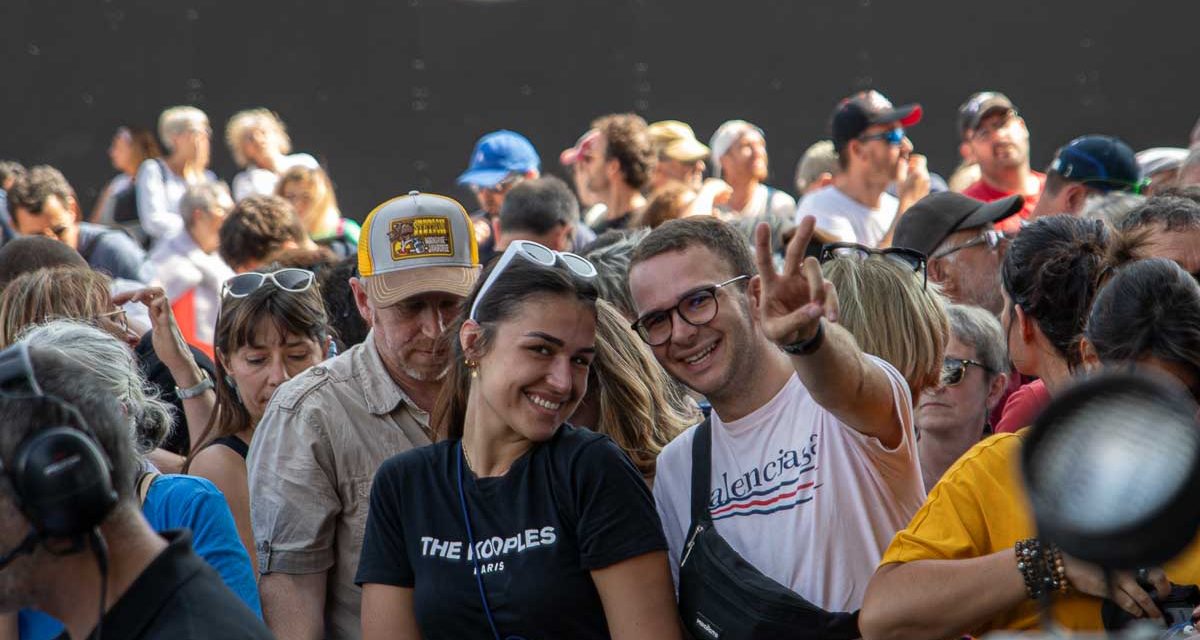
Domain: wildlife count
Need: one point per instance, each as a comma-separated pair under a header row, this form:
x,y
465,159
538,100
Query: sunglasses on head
x,y
537,254
892,136
955,369
907,258
292,280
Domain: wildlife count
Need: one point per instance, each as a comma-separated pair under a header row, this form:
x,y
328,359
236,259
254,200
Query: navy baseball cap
x,y
498,155
856,113
1103,163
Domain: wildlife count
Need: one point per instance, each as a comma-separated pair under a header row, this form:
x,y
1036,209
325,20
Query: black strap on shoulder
x,y
701,471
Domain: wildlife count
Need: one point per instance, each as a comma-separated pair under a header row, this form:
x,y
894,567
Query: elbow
x,y
883,612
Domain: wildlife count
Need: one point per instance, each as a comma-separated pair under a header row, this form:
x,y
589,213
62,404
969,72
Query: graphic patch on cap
x,y
421,237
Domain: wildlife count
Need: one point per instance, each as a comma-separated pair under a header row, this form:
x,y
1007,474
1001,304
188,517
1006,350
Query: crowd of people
x,y
663,399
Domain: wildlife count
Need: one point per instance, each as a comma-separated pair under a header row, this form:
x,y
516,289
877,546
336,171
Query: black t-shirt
x,y
570,505
179,596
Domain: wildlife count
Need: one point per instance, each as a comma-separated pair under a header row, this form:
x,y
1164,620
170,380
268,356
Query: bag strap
x,y
143,484
701,472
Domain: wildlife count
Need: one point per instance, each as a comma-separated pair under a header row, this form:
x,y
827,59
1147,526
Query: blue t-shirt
x,y
179,502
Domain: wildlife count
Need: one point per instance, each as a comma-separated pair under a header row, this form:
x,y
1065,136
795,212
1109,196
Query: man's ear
x,y
73,205
967,153
565,237
1076,197
754,293
365,309
996,390
936,268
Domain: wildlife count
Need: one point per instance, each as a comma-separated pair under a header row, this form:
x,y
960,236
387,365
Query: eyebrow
x,y
555,341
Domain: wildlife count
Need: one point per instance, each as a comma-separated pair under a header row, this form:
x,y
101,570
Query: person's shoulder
x,y
179,489
678,449
112,239
416,460
151,167
998,451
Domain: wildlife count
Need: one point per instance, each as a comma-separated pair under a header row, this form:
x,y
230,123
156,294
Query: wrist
x,y
195,389
806,346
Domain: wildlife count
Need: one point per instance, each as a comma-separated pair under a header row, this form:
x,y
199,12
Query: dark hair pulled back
x,y
1052,270
1148,308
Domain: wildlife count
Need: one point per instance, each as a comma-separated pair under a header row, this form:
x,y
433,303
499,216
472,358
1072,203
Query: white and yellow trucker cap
x,y
414,244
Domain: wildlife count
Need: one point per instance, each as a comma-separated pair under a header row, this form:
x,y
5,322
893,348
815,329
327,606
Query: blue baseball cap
x,y
1104,163
498,155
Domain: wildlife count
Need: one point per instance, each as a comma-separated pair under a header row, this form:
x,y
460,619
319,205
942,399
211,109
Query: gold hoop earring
x,y
473,366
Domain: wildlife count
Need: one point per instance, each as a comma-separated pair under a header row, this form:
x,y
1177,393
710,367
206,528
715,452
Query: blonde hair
x,y
175,121
47,294
640,408
244,122
316,180
884,306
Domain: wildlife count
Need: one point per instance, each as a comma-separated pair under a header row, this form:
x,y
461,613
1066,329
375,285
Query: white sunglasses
x,y
537,254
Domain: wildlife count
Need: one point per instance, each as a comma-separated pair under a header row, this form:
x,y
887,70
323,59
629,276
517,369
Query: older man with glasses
x,y
965,250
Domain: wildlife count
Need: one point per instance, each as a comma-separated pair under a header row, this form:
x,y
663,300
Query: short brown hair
x,y
698,231
31,190
629,143
258,227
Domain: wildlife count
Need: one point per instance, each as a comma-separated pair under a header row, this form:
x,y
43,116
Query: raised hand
x,y
168,342
792,302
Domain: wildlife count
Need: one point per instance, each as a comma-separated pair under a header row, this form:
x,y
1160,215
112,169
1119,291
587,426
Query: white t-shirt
x,y
781,205
807,500
254,181
847,218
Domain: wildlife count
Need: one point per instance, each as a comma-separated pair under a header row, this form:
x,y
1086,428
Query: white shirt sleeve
x,y
158,215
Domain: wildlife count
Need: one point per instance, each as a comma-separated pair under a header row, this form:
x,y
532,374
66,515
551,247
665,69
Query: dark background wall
x,y
391,94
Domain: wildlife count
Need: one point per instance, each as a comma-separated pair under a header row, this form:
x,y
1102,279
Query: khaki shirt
x,y
311,464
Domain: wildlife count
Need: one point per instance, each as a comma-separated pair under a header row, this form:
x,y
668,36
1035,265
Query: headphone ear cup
x,y
64,482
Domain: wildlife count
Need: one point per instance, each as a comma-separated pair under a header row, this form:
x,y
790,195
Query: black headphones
x,y
61,476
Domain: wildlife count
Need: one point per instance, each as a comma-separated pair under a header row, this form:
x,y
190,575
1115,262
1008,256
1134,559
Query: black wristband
x,y
809,346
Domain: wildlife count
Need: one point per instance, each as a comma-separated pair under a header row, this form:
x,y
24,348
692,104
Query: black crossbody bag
x,y
722,596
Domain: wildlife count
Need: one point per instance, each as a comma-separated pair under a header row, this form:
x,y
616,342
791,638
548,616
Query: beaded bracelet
x,y
1041,567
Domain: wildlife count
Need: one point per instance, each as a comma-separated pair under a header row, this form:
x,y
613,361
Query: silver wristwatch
x,y
205,384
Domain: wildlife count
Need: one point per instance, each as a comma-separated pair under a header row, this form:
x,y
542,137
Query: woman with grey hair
x,y
161,182
953,416
168,501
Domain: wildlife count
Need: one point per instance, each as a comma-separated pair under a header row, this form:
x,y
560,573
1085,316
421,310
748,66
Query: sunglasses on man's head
x,y
908,258
955,369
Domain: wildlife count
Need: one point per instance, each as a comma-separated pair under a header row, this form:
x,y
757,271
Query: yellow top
x,y
978,508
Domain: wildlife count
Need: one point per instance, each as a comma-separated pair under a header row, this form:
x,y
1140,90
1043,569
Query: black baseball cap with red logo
x,y
856,113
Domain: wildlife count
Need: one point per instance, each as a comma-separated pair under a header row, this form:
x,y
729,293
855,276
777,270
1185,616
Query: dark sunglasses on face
x,y
697,308
991,238
500,187
292,280
955,369
892,137
907,258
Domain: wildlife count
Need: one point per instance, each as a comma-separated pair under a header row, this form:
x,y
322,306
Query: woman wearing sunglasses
x,y
271,327
517,525
953,416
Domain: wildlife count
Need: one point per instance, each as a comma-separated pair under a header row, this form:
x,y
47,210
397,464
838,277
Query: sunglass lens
x,y
242,285
579,265
293,279
538,253
850,252
905,260
952,373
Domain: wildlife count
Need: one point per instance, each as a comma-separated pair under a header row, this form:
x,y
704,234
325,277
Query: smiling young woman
x,y
517,525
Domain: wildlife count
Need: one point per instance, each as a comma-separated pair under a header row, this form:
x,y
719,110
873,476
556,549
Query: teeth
x,y
543,403
699,356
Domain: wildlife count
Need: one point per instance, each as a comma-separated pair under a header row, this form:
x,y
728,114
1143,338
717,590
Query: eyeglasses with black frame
x,y
992,238
955,369
908,258
697,308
